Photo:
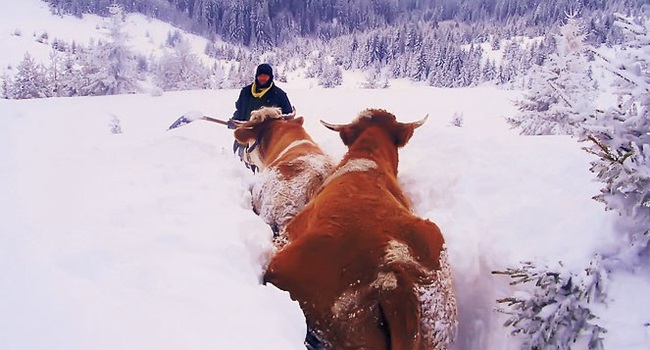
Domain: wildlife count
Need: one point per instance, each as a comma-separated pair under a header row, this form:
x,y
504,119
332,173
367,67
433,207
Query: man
x,y
261,93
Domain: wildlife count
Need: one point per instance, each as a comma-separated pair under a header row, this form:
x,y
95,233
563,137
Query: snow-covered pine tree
x,y
30,80
122,68
62,72
218,76
261,31
111,69
181,69
6,85
507,70
620,139
553,309
69,77
561,91
418,66
173,38
240,74
375,78
235,23
331,75
489,71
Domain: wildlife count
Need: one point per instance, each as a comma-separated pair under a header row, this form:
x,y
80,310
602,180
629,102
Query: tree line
x,y
441,43
264,23
415,51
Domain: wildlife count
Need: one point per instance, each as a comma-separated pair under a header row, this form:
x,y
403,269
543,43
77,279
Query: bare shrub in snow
x,y
115,125
457,119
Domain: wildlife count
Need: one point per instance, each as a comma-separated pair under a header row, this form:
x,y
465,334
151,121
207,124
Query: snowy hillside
x,y
118,234
23,26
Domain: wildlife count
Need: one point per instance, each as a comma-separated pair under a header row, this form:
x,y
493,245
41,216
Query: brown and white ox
x,y
292,167
367,272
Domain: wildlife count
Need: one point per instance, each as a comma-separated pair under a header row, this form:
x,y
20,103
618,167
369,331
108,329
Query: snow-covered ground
x,y
23,24
146,239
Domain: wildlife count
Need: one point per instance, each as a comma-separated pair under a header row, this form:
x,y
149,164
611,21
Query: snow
x,y
32,18
147,239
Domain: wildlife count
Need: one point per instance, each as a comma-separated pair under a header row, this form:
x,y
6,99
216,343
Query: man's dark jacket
x,y
246,103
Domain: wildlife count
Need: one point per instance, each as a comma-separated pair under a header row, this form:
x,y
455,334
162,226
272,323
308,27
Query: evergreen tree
x,y
70,74
218,75
122,69
489,71
110,68
240,74
375,78
30,80
181,69
235,24
620,139
6,86
554,311
418,67
562,91
331,75
262,31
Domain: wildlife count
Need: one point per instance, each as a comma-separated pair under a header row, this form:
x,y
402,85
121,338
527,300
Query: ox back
x,y
367,272
292,167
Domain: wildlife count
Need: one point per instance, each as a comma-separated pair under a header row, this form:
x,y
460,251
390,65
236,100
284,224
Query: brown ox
x,y
367,272
292,167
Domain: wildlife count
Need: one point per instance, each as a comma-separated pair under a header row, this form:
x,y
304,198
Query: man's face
x,y
263,79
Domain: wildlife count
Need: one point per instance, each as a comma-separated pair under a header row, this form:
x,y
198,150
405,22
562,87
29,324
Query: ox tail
x,y
400,308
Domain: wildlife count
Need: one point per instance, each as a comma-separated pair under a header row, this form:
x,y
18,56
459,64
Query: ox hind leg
x,y
305,268
299,269
314,342
400,308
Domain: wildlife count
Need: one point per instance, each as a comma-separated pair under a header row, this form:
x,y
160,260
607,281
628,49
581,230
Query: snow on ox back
x,y
367,272
292,166
281,191
352,165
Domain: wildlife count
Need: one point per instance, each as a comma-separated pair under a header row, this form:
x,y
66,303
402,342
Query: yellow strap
x,y
261,93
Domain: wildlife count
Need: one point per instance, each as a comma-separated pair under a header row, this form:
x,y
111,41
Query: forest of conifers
x,y
263,23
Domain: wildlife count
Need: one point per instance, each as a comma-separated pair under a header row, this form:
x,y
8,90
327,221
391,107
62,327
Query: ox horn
x,y
289,115
238,123
335,127
242,124
420,122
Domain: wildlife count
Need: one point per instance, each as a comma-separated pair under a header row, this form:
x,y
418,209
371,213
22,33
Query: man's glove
x,y
230,124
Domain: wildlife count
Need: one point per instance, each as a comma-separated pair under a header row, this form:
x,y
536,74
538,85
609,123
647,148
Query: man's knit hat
x,y
264,68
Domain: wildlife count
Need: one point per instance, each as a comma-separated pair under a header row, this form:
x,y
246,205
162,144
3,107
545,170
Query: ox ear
x,y
299,120
404,131
347,132
348,135
245,136
403,134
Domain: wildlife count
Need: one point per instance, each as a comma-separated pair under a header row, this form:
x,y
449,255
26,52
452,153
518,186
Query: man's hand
x,y
231,124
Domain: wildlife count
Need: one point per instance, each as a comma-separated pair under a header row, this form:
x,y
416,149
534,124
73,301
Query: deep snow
x,y
146,239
